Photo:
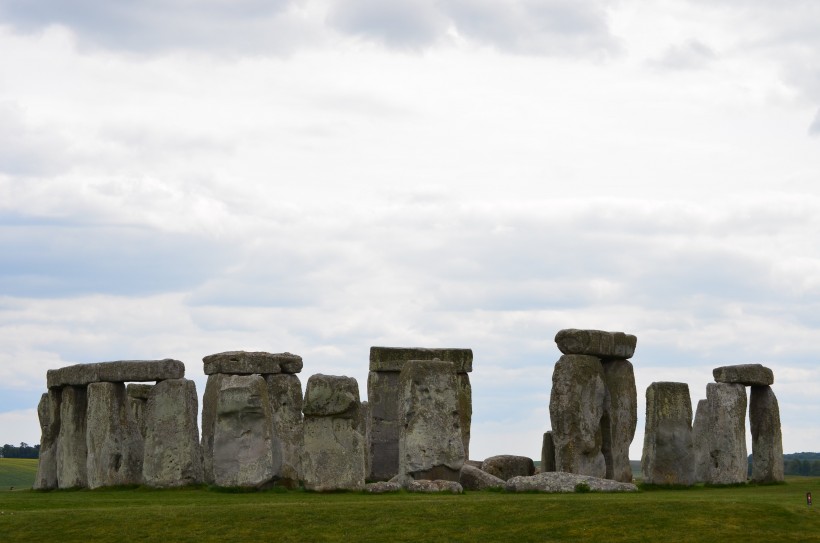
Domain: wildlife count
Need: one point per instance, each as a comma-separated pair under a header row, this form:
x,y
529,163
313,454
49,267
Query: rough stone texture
x,y
394,358
364,425
620,418
744,374
473,478
557,481
248,363
701,442
430,439
71,446
137,400
381,487
285,393
434,486
507,466
116,372
605,345
767,439
242,454
172,454
48,411
333,456
114,443
332,395
547,453
474,463
382,393
576,408
209,401
668,458
726,433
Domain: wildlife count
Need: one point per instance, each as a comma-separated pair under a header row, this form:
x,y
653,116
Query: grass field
x,y
17,473
745,513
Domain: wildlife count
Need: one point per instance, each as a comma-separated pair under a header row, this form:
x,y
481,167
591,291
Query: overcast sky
x,y
183,178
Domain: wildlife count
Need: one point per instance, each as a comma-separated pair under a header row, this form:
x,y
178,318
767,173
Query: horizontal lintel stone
x,y
116,372
605,345
744,374
394,358
247,363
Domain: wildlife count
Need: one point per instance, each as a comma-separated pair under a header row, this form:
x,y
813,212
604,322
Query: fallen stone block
x,y
473,478
434,486
507,466
381,487
248,363
115,372
604,345
557,481
744,374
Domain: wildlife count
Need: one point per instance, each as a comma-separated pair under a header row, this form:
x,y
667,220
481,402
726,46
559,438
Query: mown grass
x,y
750,513
17,473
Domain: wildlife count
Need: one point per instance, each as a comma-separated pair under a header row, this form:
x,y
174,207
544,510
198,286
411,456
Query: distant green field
x,y
744,513
18,473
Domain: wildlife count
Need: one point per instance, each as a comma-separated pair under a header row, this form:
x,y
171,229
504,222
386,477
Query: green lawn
x,y
748,513
17,473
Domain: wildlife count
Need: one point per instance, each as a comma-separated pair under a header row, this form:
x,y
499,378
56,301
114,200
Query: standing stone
x,y
604,345
112,437
667,448
137,400
334,445
547,453
430,439
726,433
242,454
767,439
576,408
172,452
287,439
701,442
209,401
364,422
71,445
620,418
48,411
383,396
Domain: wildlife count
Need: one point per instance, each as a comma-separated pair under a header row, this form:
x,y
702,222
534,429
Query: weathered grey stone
x,y
547,453
71,445
767,439
394,358
116,372
726,433
474,463
242,455
285,393
433,486
701,442
620,418
114,443
473,478
364,425
172,454
382,393
381,487
137,400
248,363
507,466
576,408
605,345
430,439
333,457
209,402
48,411
557,481
744,374
668,458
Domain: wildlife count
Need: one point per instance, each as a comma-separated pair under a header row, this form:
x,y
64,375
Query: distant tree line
x,y
802,463
23,451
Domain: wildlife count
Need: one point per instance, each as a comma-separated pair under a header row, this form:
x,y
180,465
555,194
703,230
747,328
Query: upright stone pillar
x,y
48,412
576,409
71,445
767,439
172,455
726,433
137,401
285,393
383,396
112,438
547,453
620,418
334,443
701,442
667,448
430,438
242,435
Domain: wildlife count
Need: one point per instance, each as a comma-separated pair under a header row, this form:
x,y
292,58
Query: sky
x,y
184,178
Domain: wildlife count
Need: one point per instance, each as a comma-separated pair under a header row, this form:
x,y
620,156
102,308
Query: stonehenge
x,y
135,423
593,405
